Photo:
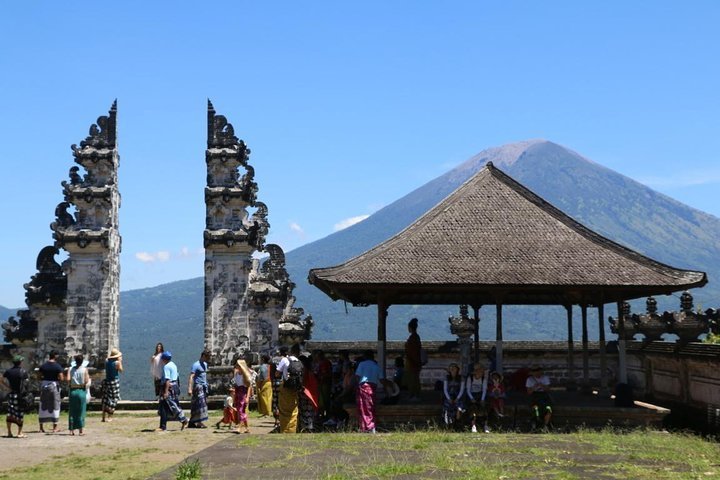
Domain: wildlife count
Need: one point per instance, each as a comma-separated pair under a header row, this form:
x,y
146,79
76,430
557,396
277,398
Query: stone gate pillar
x,y
92,239
231,236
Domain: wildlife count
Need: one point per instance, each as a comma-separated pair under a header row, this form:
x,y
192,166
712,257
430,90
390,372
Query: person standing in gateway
x,y
413,364
169,403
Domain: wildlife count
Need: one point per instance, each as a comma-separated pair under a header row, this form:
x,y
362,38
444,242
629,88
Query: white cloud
x,y
148,257
342,224
684,179
297,229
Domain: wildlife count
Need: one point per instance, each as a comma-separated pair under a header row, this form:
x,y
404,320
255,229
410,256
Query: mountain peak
x,y
503,156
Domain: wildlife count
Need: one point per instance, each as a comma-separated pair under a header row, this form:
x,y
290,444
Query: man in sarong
x,y
369,374
15,379
169,403
198,389
288,395
51,373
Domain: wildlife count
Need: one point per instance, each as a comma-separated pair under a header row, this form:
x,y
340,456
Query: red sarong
x,y
366,406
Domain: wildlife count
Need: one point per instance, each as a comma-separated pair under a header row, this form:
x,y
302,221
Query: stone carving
x,y
686,324
464,328
245,303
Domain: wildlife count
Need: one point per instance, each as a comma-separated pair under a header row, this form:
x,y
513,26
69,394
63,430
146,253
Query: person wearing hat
x,y
198,391
15,378
111,384
538,387
169,403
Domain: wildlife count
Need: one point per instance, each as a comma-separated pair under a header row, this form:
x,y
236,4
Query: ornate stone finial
x,y
651,306
103,134
686,302
220,132
625,309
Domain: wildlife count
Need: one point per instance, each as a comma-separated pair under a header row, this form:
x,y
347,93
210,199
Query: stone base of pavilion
x,y
571,410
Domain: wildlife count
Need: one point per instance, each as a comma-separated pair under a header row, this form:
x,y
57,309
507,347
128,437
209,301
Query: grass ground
x,y
128,449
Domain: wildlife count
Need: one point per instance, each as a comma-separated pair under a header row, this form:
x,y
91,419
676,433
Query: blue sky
x,y
346,106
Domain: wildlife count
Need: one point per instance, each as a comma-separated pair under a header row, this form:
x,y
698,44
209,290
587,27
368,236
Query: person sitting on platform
x,y
538,387
453,391
476,388
497,394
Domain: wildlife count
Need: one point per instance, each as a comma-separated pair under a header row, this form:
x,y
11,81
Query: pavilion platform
x,y
570,410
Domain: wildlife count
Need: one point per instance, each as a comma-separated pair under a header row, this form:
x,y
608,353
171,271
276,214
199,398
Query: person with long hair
x,y
111,384
476,388
243,390
156,369
413,363
78,380
308,397
264,386
453,391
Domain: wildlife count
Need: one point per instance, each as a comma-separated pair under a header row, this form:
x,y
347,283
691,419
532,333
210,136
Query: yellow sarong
x,y
264,397
288,406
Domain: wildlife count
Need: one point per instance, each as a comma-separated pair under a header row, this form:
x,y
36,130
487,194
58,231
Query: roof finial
x,y
490,165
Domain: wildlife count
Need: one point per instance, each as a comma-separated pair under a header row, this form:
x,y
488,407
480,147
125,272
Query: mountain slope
x,y
607,202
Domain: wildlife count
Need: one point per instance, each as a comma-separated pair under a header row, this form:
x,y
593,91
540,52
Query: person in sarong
x,y
264,386
276,384
323,368
78,380
288,395
368,375
198,389
229,410
308,398
413,361
243,390
51,374
169,401
15,378
111,384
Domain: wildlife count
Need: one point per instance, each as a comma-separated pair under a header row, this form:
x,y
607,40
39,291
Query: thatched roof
x,y
493,239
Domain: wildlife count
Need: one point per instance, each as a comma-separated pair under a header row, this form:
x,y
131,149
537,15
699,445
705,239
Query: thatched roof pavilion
x,y
493,242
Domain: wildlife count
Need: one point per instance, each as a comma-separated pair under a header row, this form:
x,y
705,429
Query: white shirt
x,y
533,382
477,387
284,364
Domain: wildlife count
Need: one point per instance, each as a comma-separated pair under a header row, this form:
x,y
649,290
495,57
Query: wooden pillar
x,y
603,360
585,353
571,385
476,345
499,339
622,356
381,336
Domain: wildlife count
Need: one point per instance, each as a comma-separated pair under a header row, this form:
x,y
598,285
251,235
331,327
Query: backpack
x,y
295,375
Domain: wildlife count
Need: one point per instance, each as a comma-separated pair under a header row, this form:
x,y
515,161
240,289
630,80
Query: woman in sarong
x,y
198,390
276,378
78,379
243,390
111,384
264,387
156,369
49,409
308,399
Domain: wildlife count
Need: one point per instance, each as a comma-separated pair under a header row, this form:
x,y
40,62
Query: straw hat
x,y
114,353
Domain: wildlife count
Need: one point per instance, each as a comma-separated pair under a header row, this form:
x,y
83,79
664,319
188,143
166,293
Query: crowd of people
x,y
52,375
302,391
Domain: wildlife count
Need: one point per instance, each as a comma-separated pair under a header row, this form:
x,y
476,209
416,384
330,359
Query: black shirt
x,y
51,371
15,376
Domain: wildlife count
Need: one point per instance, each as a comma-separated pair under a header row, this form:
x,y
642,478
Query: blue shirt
x,y
199,371
111,371
170,372
368,371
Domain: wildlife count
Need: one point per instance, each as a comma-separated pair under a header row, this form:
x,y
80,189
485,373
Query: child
x,y
229,411
497,394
